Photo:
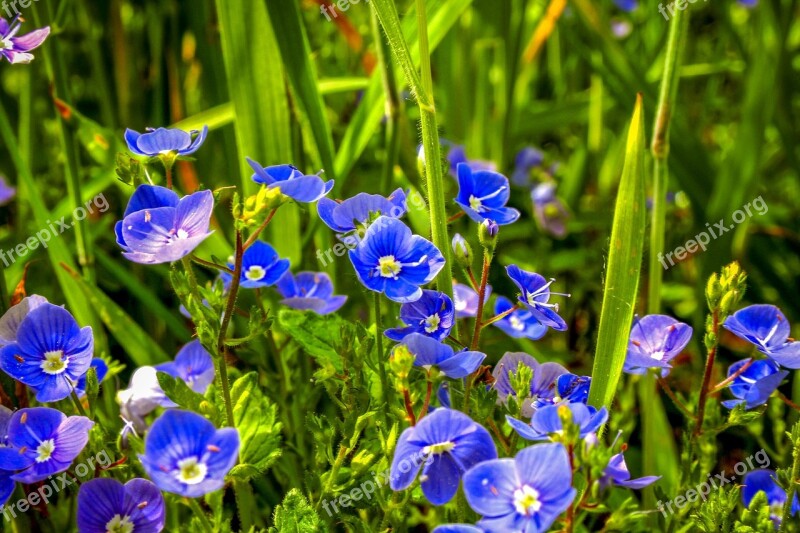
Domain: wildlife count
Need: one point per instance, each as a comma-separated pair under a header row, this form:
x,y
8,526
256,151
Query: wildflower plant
x,y
264,333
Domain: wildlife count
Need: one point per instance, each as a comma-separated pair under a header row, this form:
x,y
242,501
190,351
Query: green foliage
x,y
717,513
755,519
255,417
295,515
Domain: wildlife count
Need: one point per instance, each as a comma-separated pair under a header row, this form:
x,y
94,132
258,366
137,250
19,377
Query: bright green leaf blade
x,y
255,417
624,268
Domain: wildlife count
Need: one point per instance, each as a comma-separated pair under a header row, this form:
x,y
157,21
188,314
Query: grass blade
x,y
624,268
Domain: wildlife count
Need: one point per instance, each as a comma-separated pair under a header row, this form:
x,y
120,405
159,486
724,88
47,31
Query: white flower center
x,y
526,500
432,323
119,524
54,362
5,44
191,471
439,448
389,267
45,450
475,203
516,323
658,356
255,273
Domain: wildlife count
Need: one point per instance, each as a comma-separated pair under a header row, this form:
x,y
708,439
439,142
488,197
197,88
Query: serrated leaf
x,y
255,417
321,337
296,515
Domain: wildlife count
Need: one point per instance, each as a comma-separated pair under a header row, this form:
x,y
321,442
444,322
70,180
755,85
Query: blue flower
x,y
11,320
542,389
627,5
432,315
51,352
186,455
7,484
550,213
534,294
483,195
429,353
165,142
754,386
465,300
573,389
519,324
346,216
546,422
457,528
767,328
748,3
15,49
261,267
445,444
389,259
616,473
43,442
764,481
193,365
655,340
100,368
291,182
158,227
310,290
527,493
526,160
105,504
7,192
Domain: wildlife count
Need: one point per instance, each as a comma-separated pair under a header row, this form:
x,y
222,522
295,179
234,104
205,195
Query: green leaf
x,y
295,515
255,417
179,392
141,348
321,337
624,268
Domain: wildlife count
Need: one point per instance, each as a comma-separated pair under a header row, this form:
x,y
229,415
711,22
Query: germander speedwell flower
x,y
106,505
535,294
186,455
309,291
432,315
767,328
483,195
389,259
51,352
444,444
16,49
291,182
654,342
261,267
165,142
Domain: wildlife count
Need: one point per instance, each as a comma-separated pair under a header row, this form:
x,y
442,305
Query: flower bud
x,y
487,234
462,252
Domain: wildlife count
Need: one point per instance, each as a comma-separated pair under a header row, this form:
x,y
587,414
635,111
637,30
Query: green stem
x,y
78,404
652,443
421,84
379,347
199,513
792,490
660,150
393,104
709,371
226,319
